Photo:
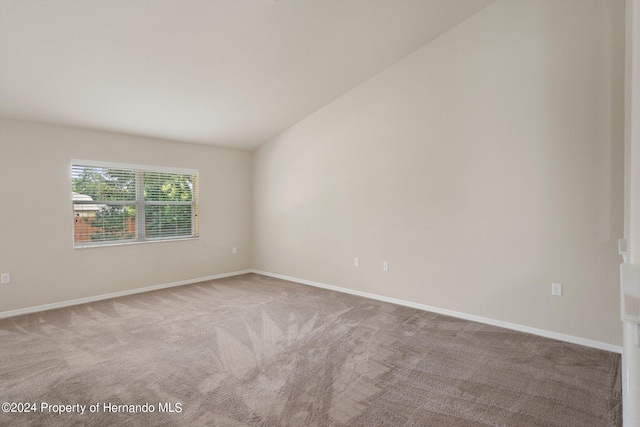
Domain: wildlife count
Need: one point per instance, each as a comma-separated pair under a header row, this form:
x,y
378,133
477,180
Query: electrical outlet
x,y
235,250
385,265
556,289
623,246
356,262
5,278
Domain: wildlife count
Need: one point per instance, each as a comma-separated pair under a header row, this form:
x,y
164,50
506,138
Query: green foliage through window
x,y
168,219
106,200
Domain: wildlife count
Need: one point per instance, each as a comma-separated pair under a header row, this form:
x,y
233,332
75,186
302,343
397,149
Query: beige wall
x,y
36,224
483,167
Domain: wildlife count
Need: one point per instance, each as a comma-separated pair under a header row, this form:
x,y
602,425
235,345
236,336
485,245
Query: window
x,y
119,203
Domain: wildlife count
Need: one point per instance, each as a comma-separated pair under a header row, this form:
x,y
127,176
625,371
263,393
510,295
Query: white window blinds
x,y
114,203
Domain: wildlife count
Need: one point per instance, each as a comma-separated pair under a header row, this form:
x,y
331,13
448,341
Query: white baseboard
x,y
35,309
513,326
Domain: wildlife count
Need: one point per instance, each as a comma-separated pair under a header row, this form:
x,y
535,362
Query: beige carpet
x,y
256,351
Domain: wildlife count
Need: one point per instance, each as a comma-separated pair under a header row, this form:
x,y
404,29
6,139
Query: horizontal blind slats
x,y
105,201
160,186
104,184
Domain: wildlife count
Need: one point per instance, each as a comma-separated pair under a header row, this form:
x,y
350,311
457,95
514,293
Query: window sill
x,y
131,242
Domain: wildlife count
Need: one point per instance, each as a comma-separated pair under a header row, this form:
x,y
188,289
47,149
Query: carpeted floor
x,y
256,351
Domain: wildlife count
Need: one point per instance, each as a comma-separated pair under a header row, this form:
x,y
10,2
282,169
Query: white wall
x,y
36,221
631,331
483,167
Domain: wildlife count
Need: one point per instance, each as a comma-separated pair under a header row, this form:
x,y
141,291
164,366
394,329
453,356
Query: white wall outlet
x,y
356,262
556,289
623,247
235,250
5,278
385,265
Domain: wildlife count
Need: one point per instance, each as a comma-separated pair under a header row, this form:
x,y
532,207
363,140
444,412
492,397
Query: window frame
x,y
139,202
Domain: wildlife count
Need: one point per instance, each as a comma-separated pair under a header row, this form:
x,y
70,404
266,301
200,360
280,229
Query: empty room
x,y
320,213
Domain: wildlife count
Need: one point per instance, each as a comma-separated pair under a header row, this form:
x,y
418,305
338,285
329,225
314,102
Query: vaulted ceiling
x,y
230,73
